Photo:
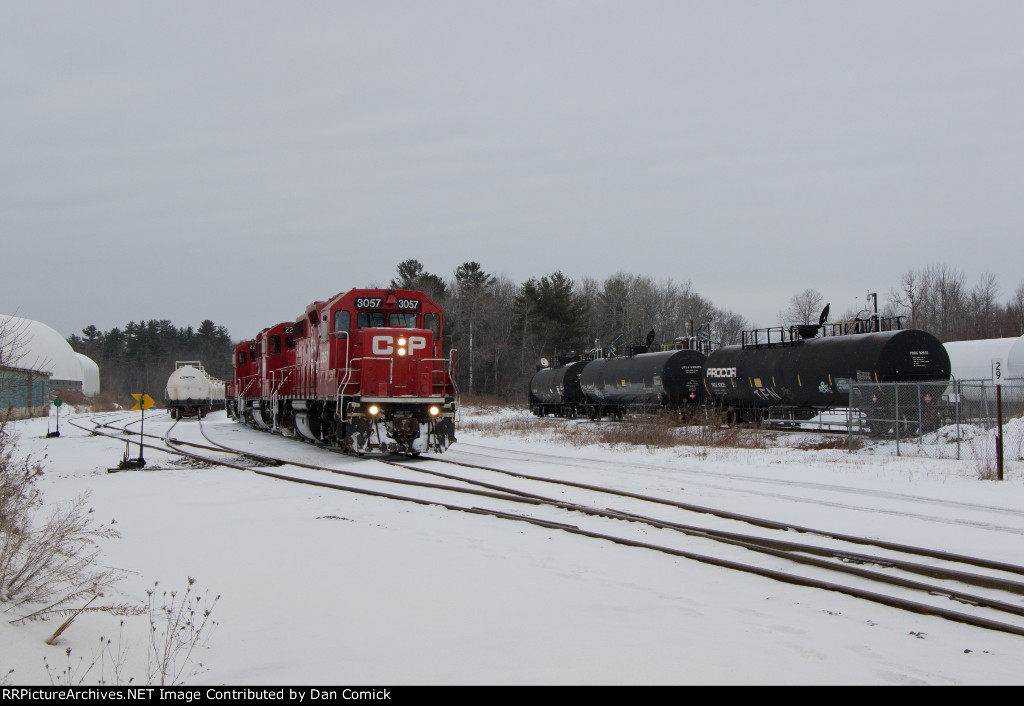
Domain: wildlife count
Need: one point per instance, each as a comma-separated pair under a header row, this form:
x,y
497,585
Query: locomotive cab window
x,y
342,321
242,358
402,320
433,322
275,345
370,319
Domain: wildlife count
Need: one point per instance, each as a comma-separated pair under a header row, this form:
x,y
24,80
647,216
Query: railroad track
x,y
992,591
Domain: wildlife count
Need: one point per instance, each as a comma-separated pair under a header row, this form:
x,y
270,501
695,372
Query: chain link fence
x,y
955,420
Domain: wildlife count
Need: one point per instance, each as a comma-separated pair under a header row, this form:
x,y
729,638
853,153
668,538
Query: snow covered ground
x,y
325,587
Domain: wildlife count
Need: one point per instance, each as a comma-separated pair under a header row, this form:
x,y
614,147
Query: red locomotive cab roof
x,y
244,355
387,299
360,309
300,327
312,313
278,340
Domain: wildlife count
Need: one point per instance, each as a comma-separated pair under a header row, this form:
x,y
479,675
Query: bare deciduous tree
x,y
14,351
804,308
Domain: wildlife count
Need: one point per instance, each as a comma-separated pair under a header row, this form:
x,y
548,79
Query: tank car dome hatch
x,y
42,348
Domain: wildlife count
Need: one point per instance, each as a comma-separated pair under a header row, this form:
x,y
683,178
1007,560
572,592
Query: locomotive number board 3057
x,y
378,302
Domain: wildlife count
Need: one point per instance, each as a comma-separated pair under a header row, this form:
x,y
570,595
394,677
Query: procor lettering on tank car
x,y
803,375
363,371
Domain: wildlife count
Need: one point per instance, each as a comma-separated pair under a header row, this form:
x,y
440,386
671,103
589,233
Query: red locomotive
x,y
363,371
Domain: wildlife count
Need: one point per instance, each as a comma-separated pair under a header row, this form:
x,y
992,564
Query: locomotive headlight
x,y
401,346
401,351
374,410
434,411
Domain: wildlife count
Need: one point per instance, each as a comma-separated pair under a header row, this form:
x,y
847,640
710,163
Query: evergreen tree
x,y
411,275
142,356
552,315
472,301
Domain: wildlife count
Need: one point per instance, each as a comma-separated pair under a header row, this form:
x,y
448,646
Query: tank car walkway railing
x,y
796,334
874,324
773,336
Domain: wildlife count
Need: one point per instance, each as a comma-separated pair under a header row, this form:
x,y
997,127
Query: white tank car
x,y
972,361
192,391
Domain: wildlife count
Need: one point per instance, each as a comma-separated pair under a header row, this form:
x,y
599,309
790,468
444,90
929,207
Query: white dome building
x,y
972,360
35,346
90,375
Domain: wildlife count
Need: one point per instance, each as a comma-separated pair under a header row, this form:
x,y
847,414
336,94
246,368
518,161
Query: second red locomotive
x,y
363,371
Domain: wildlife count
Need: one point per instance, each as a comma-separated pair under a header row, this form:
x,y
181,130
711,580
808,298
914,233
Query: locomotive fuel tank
x,y
816,373
643,382
557,390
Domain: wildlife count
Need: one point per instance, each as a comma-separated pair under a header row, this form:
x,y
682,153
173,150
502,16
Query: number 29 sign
x,y
998,370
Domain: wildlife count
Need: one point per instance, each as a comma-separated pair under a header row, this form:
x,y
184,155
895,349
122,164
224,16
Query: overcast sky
x,y
237,160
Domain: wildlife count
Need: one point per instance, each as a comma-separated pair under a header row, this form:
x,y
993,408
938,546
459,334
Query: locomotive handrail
x,y
348,374
451,376
350,368
251,379
284,378
446,363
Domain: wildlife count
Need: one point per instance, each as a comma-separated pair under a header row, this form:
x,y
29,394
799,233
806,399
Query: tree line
x,y
936,299
501,328
141,356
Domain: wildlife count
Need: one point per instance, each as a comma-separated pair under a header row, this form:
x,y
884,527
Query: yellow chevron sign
x,y
142,401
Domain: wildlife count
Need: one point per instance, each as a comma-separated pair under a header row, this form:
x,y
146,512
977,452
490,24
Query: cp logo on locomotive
x,y
385,345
